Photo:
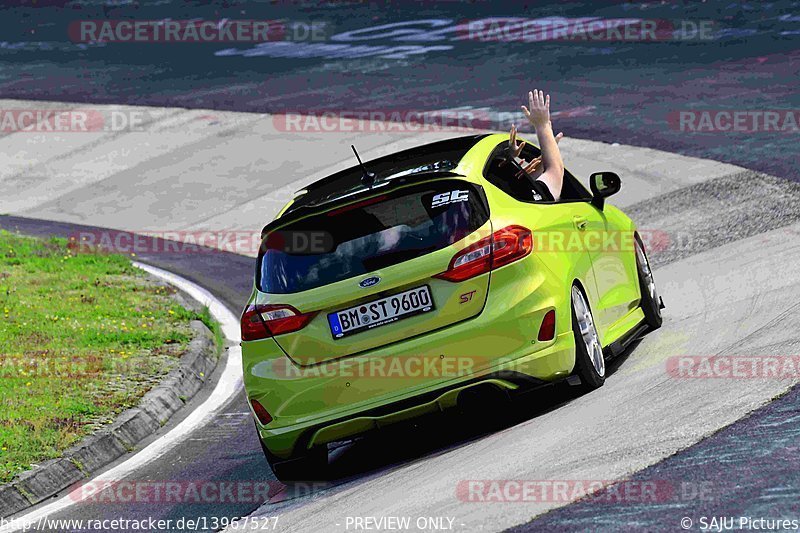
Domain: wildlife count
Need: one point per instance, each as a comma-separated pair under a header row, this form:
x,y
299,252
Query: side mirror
x,y
603,185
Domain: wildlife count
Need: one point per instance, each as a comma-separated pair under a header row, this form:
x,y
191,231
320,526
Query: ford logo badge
x,y
369,282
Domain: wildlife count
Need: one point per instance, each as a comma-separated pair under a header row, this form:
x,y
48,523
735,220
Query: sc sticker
x,y
449,198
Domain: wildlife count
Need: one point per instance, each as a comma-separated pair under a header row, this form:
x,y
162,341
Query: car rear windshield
x,y
368,235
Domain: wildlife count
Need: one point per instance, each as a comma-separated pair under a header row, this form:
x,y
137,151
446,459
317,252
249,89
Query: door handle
x,y
580,222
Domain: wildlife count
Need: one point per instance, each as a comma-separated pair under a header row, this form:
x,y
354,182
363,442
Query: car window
x,y
504,177
376,233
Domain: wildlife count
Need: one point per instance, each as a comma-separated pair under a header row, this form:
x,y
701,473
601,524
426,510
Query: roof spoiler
x,y
291,215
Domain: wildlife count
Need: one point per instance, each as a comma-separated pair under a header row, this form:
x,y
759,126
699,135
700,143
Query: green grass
x,y
205,317
82,337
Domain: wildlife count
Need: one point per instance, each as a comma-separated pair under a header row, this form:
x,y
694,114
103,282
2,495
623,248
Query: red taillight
x,y
262,321
548,328
501,248
261,413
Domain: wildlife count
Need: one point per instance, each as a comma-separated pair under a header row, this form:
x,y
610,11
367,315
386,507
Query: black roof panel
x,y
439,156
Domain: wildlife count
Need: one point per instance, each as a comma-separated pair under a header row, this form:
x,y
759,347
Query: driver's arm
x,y
538,115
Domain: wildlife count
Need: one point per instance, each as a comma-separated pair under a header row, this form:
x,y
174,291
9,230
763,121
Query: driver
x,y
546,170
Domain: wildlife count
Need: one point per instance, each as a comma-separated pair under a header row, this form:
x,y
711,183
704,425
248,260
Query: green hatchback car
x,y
395,288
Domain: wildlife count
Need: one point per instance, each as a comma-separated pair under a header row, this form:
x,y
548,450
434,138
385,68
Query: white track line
x,y
229,384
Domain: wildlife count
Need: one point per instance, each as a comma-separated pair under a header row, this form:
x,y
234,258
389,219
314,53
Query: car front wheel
x,y
650,303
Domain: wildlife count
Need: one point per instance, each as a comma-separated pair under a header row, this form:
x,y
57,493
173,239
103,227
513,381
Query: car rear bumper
x,y
337,400
339,424
284,441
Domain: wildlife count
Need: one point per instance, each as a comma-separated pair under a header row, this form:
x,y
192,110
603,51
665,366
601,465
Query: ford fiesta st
x,y
395,288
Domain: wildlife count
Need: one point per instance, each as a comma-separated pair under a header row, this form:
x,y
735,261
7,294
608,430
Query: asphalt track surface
x,y
366,476
614,90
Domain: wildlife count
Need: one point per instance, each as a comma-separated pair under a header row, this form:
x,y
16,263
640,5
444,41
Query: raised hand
x,y
514,149
538,110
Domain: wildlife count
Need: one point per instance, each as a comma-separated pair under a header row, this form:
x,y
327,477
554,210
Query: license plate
x,y
380,312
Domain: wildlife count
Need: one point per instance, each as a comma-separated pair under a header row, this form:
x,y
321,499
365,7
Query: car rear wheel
x,y
308,465
650,303
590,364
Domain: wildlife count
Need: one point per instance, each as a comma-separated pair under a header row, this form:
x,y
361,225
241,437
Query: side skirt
x,y
618,346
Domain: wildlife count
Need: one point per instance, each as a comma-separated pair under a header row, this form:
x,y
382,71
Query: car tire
x,y
309,465
590,364
650,302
